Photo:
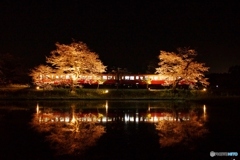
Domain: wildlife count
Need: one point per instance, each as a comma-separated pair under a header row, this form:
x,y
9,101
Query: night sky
x,y
127,34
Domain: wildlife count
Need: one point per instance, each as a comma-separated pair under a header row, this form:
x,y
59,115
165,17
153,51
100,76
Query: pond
x,y
109,129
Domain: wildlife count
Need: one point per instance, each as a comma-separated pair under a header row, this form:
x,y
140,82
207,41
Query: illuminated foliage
x,y
68,138
41,70
75,59
184,133
182,66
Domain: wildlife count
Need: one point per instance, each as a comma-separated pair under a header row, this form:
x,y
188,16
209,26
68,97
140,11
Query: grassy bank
x,y
65,94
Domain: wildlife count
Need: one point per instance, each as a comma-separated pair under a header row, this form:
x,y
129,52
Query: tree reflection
x,y
182,132
70,135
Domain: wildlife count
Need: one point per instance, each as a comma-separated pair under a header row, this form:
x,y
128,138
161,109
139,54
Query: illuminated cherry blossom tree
x,y
182,66
39,71
75,59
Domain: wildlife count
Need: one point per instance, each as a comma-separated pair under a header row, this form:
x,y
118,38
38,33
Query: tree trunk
x,y
174,87
72,88
97,84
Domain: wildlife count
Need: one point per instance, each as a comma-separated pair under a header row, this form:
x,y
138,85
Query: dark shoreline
x,y
30,94
215,100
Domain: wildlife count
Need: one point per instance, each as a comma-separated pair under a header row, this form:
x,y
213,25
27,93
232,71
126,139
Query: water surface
x,y
117,129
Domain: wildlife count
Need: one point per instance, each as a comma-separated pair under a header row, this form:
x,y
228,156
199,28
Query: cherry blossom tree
x,y
75,59
182,66
42,70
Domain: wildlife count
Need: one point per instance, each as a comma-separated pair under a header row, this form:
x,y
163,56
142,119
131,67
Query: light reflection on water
x,y
129,130
153,113
73,128
67,133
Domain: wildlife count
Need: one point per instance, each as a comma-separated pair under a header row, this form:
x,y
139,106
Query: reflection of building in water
x,y
142,117
127,115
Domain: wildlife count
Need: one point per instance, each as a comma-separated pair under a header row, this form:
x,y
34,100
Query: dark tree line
x,y
226,83
13,70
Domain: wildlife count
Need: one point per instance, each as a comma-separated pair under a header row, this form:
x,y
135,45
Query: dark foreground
x,y
18,140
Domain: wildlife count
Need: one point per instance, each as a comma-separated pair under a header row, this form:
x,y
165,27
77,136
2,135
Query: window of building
x,y
104,77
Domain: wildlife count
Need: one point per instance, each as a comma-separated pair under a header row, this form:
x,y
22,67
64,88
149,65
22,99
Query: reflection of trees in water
x,y
182,132
72,137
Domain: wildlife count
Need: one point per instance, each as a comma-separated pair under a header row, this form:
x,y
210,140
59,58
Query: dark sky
x,y
124,33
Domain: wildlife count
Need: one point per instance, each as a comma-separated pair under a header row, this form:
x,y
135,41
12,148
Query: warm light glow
x,y
137,116
149,108
37,109
204,89
106,107
126,118
137,119
73,119
204,112
155,119
37,87
149,116
106,91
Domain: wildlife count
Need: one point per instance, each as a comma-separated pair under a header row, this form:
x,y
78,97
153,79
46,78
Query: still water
x,y
118,129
